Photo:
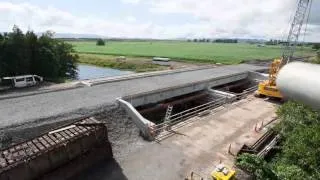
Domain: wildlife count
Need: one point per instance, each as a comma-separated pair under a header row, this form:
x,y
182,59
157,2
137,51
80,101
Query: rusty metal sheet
x,y
42,144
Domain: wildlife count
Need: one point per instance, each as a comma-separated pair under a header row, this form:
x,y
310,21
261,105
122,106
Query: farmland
x,y
186,51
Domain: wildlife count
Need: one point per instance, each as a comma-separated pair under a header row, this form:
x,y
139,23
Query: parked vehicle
x,y
23,81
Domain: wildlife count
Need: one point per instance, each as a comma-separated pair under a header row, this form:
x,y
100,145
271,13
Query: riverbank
x,y
130,63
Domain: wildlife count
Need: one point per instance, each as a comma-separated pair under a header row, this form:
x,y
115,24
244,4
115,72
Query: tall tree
x,y
28,54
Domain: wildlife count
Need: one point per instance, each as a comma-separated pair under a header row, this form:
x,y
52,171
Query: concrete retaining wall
x,y
159,95
142,123
130,102
220,94
255,76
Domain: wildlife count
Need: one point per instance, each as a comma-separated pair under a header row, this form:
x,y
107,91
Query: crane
x,y
269,87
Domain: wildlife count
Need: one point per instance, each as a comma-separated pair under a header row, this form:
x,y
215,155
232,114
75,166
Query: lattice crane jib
x,y
295,30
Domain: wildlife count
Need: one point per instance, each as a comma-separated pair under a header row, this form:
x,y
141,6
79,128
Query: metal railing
x,y
196,111
245,92
181,116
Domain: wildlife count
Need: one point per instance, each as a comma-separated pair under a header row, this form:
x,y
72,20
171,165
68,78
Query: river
x,y
91,72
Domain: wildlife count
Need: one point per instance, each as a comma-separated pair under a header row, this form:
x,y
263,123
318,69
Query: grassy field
x,y
189,51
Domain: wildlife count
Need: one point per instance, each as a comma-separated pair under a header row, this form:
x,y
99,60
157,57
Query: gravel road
x,y
90,100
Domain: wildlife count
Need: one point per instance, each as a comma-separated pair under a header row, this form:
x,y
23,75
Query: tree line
x,y
226,40
214,41
315,46
26,53
279,42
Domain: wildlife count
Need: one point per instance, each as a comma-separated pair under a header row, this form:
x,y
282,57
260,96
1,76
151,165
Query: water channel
x,y
91,72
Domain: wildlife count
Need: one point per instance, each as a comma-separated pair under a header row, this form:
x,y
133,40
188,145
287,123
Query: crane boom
x,y
295,29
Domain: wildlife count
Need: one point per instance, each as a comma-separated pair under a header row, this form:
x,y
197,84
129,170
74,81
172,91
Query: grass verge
x,y
132,64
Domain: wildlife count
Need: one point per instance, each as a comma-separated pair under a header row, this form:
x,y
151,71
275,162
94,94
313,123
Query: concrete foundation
x,y
130,102
159,95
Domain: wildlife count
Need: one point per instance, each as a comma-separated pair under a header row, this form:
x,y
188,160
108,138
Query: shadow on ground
x,y
105,170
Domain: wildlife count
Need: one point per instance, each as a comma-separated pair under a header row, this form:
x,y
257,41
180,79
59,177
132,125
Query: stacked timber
x,y
263,145
58,154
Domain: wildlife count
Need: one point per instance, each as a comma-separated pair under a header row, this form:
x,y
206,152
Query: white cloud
x,y
26,15
251,18
211,18
131,1
237,18
131,19
41,19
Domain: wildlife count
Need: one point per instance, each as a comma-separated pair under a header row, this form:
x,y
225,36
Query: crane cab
x,y
268,87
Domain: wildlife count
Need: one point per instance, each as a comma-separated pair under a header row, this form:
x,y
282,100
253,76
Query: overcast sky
x,y
158,18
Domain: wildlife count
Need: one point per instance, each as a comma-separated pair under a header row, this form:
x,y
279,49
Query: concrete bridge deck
x,y
88,100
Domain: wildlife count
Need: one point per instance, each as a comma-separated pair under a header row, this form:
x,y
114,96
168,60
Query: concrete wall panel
x,y
142,123
156,96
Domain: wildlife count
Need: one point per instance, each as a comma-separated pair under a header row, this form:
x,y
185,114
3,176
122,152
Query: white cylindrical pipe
x,y
301,82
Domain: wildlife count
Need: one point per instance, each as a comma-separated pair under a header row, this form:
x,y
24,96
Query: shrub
x,y
256,166
100,42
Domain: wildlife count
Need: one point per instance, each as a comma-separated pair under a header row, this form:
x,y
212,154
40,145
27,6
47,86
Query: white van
x,y
24,81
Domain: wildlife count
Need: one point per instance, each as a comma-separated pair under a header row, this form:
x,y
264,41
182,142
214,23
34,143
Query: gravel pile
x,y
122,132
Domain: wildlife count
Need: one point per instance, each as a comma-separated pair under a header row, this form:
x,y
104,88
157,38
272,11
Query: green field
x,y
201,52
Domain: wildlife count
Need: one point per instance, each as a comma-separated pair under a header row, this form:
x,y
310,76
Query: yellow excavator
x,y
220,172
269,87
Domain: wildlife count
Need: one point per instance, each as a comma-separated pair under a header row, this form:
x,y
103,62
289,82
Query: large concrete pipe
x,y
301,82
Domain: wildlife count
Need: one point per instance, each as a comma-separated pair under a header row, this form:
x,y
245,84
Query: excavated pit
x,y
238,87
156,112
